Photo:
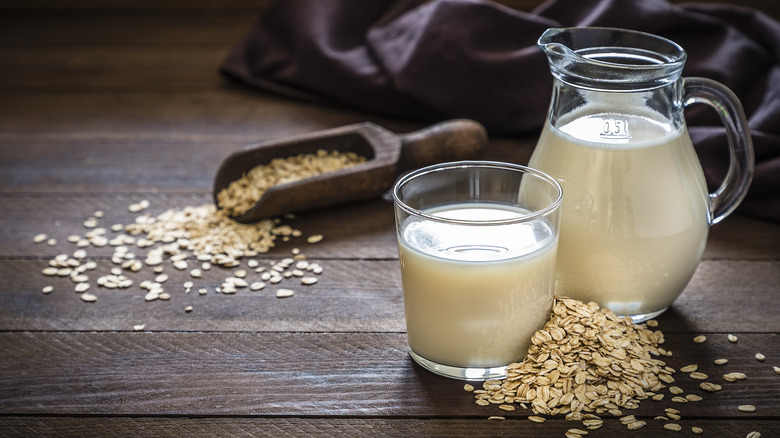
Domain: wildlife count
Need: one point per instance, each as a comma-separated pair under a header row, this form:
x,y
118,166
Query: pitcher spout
x,y
610,59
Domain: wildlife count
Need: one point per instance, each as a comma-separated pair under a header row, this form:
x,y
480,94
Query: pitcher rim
x,y
583,56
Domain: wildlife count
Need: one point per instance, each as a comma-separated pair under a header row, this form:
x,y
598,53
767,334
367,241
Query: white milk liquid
x,y
634,219
474,295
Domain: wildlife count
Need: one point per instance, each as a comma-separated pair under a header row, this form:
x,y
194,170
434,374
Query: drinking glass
x,y
477,242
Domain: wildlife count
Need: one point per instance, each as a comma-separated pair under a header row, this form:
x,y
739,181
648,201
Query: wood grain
x,y
153,427
236,426
303,374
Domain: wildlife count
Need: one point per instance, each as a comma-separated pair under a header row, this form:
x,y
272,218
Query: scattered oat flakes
x,y
710,387
732,377
753,435
537,419
698,376
284,293
314,238
89,298
188,309
760,357
721,361
700,339
309,280
732,338
593,423
697,430
139,327
47,289
468,387
139,206
689,368
746,408
496,418
673,427
177,235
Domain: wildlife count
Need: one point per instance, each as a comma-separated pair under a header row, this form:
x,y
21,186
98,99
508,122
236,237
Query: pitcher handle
x,y
735,185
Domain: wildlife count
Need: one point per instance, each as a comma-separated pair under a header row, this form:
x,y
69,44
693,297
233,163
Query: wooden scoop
x,y
387,155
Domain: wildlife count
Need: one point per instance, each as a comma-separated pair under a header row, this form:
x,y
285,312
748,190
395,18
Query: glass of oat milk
x,y
477,242
637,210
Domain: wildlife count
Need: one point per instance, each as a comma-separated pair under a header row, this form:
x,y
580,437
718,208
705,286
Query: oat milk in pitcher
x,y
636,211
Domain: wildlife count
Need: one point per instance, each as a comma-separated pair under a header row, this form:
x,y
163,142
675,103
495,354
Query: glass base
x,y
642,317
468,373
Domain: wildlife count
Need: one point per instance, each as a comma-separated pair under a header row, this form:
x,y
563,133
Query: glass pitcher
x,y
636,211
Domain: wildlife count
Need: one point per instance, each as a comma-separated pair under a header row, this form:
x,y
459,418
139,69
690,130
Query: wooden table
x,y
105,105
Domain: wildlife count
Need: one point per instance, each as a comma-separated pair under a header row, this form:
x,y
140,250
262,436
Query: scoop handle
x,y
452,140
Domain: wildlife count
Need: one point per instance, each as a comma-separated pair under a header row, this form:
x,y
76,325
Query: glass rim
x,y
529,217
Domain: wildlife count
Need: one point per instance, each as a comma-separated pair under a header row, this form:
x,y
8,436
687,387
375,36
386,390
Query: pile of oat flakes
x,y
587,362
242,194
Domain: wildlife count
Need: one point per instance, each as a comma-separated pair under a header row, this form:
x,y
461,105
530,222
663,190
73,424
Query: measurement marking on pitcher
x,y
614,129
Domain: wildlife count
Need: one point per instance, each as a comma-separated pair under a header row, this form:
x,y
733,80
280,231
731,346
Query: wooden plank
x,y
351,296
743,237
307,374
120,28
100,67
222,111
153,427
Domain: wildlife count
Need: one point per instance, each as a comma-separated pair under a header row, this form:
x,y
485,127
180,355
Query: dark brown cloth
x,y
430,61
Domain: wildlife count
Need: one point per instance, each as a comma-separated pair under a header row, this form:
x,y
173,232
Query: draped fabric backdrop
x,y
477,59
